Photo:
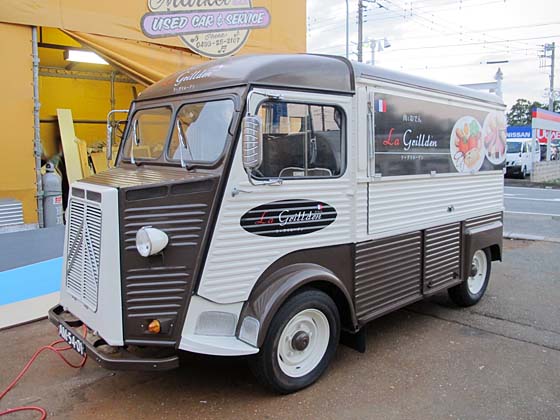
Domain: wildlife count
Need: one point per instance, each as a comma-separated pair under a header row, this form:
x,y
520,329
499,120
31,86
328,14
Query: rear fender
x,y
481,237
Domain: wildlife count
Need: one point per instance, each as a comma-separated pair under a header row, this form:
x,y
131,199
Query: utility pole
x,y
544,60
360,29
551,96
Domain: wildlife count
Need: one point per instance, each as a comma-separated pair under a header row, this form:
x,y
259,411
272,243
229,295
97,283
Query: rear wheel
x,y
470,291
300,343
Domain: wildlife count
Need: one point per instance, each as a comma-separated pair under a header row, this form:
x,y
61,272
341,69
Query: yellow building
x,y
142,41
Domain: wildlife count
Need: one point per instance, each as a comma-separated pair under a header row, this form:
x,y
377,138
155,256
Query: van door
x,y
528,155
301,196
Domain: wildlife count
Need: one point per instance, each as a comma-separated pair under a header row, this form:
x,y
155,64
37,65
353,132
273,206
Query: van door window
x,y
301,140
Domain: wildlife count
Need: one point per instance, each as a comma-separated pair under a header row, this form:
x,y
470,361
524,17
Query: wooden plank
x,y
69,145
82,152
99,160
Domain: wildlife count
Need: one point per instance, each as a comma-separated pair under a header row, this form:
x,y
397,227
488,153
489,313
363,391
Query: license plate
x,y
74,342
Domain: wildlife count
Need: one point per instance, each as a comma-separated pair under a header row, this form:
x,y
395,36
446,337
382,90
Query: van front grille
x,y
84,251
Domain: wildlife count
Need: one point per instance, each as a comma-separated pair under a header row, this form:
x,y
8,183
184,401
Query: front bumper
x,y
513,170
117,358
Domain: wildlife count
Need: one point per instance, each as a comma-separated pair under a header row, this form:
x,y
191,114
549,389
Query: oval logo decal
x,y
288,218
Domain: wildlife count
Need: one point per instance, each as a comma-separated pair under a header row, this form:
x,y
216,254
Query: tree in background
x,y
520,112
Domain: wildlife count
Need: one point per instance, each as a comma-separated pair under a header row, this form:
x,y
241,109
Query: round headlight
x,y
150,241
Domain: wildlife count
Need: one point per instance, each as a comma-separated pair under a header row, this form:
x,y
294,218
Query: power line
x,y
471,43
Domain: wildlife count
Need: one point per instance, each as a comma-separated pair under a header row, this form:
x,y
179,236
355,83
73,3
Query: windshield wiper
x,y
183,144
135,141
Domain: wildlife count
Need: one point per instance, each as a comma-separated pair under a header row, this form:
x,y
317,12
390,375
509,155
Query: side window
x,y
301,140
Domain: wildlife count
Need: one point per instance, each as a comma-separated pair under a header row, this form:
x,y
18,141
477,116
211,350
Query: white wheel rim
x,y
476,282
297,363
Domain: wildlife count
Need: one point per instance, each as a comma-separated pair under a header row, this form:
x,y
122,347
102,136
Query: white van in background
x,y
520,155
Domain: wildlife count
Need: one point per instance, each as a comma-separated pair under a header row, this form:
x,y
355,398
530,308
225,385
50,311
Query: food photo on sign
x,y
415,137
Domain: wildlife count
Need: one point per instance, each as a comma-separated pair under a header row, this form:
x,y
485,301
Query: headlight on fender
x,y
150,241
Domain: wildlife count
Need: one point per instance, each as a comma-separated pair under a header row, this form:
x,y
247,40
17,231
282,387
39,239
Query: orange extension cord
x,y
58,351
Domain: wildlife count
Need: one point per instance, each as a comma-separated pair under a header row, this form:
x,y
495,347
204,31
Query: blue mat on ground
x,y
30,281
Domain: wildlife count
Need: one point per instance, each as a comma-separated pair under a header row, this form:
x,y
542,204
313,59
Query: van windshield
x,y
200,131
513,146
147,134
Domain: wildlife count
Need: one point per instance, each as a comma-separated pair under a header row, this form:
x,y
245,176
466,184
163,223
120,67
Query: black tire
x,y
462,295
265,365
523,174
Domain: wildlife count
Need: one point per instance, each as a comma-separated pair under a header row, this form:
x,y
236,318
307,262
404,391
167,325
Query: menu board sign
x,y
212,28
415,137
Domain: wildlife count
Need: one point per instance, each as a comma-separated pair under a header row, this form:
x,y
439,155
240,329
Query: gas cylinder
x,y
52,197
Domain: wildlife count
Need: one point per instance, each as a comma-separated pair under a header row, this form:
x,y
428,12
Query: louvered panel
x,y
11,212
483,220
124,177
442,256
75,257
183,223
160,286
84,251
155,292
398,205
387,274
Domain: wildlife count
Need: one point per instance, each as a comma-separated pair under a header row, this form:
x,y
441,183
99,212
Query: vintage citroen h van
x,y
265,205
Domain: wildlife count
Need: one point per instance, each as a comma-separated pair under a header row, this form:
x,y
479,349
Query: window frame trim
x,y
200,163
140,160
343,130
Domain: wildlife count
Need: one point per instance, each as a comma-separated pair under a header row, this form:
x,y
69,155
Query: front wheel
x,y
470,291
300,343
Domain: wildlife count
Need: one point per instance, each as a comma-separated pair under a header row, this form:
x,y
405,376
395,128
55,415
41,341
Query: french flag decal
x,y
381,105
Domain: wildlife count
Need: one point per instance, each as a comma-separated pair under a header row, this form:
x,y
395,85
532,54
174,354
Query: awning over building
x,y
113,29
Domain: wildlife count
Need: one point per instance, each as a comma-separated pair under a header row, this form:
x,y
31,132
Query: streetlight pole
x,y
347,30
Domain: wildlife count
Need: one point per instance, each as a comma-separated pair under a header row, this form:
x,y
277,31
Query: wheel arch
x,y
488,236
270,293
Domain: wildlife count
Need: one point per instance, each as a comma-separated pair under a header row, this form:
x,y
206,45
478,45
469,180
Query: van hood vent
x,y
142,176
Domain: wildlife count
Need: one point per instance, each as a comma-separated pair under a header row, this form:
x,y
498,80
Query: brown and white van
x,y
265,205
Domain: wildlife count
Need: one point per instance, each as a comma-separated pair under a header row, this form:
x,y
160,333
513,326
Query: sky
x,y
449,40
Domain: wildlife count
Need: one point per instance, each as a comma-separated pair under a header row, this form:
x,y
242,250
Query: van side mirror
x,y
251,142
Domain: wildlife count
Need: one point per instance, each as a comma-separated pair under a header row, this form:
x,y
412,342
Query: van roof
x,y
325,73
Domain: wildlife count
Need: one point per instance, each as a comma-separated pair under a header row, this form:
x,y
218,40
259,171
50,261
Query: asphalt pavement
x,y
497,360
532,213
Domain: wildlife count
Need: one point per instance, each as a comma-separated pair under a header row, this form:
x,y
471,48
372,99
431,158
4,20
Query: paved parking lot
x,y
498,360
532,213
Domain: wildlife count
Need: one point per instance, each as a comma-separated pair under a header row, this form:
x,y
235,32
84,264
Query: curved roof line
x,y
367,71
325,73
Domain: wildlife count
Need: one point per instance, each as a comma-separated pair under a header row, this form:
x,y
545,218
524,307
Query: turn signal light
x,y
154,327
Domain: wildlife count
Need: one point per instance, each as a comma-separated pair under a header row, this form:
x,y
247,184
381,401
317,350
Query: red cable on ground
x,y
56,350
